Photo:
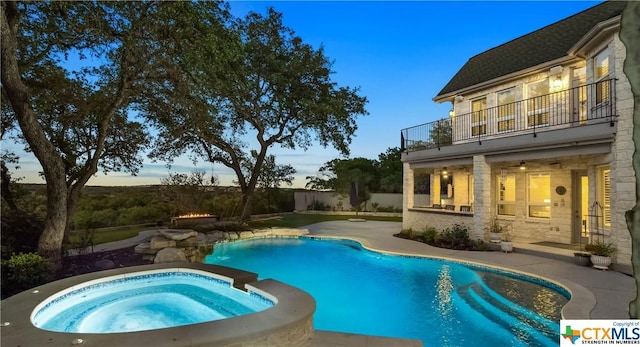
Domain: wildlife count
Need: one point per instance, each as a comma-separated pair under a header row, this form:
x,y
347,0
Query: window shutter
x,y
606,197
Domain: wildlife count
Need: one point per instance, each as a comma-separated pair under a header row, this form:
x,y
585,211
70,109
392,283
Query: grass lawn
x,y
294,220
290,220
109,236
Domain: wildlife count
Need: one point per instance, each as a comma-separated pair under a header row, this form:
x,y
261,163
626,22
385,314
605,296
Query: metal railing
x,y
586,104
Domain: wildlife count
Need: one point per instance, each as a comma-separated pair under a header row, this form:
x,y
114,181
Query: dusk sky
x,y
400,54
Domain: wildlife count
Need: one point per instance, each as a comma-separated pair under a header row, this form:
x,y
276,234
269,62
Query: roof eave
x,y
595,36
506,78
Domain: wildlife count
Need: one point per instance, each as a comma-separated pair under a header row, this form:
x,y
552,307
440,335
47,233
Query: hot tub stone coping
x,y
290,317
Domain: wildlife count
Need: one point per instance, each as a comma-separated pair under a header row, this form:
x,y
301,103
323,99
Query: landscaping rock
x,y
246,235
160,242
145,248
169,255
262,233
178,235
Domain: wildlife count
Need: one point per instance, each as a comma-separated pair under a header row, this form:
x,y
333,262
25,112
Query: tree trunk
x,y
250,188
50,244
630,36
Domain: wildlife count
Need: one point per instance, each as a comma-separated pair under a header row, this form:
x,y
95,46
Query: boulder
x,y
232,236
262,232
160,242
169,255
245,235
178,235
145,248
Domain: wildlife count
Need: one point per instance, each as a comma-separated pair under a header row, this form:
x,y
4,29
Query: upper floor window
x,y
506,110
538,103
601,65
601,75
539,195
479,117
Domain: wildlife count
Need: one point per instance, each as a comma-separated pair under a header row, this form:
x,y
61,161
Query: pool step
x,y
523,324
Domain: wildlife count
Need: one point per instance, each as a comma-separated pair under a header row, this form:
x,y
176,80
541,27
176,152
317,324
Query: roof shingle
x,y
543,45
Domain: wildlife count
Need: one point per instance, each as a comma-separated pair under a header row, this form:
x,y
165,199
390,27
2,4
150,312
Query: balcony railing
x,y
579,106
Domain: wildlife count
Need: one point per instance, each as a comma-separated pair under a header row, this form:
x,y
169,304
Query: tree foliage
x,y
390,166
71,71
373,176
186,193
346,175
276,89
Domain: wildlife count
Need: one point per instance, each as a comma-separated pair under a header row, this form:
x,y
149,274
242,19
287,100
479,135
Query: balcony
x,y
570,108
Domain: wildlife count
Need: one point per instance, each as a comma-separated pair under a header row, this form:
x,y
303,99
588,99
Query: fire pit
x,y
193,219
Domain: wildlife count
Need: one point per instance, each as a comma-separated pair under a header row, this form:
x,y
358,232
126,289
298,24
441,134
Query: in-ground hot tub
x,y
162,304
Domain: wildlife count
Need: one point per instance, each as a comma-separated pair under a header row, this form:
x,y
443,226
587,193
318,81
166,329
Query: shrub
x,y
407,233
601,248
480,245
24,271
83,241
456,236
20,232
429,235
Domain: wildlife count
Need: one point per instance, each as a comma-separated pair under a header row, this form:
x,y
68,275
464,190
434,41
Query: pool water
x,y
145,302
441,303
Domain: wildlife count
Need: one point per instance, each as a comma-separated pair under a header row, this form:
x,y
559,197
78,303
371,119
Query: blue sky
x,y
400,54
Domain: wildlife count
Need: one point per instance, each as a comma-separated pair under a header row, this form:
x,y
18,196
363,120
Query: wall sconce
x,y
451,113
444,171
522,166
557,83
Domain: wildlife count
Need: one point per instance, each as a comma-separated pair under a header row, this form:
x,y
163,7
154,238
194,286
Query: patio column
x,y
435,187
407,187
482,196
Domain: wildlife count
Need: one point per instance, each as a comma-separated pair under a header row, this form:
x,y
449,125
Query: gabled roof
x,y
544,45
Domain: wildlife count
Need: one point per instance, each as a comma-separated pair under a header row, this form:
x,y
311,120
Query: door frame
x,y
579,207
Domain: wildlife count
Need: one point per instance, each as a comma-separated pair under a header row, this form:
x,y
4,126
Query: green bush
x,y
408,233
429,235
20,232
456,236
24,271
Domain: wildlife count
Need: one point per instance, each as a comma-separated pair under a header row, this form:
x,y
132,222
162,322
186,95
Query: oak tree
x,y
277,92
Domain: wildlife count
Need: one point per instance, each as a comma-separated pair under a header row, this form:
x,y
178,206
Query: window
x,y
506,110
538,103
479,117
539,195
604,196
421,183
601,75
506,184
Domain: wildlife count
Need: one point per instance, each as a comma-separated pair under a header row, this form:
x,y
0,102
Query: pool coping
x,y
293,307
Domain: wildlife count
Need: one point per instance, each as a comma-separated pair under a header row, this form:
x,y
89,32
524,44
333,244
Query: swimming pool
x,y
441,303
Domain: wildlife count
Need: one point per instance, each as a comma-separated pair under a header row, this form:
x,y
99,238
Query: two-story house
x,y
539,135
